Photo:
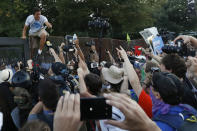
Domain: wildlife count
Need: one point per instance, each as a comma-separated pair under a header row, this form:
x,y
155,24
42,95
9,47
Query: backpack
x,y
185,121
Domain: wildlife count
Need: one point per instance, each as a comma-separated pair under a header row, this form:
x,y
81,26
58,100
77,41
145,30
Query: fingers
x,y
65,106
114,101
122,97
115,123
77,104
70,102
59,105
179,37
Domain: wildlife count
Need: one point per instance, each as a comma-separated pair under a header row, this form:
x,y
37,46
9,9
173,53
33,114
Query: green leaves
x,y
72,16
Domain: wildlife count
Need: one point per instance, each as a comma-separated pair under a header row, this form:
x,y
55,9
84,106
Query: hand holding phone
x,y
95,109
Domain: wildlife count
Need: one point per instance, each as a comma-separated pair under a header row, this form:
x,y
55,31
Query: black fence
x,y
14,49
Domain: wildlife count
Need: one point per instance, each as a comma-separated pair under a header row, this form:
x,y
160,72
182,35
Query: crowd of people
x,y
147,92
158,95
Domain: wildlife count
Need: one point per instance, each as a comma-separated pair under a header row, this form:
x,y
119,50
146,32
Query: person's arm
x,y
61,53
52,51
82,86
156,57
112,60
94,55
48,24
79,51
24,32
37,108
187,39
124,87
149,53
133,78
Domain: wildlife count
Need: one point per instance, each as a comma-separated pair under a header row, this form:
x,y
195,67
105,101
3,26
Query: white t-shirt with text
x,y
35,25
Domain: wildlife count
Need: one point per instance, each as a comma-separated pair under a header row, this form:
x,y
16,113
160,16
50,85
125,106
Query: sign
x,y
157,45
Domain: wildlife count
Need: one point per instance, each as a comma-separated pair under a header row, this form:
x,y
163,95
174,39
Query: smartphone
x,y
95,109
94,65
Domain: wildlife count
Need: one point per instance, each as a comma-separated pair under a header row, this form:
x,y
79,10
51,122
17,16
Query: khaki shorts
x,y
34,39
39,33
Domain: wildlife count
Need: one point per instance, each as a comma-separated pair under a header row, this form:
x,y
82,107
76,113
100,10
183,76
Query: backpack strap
x,y
175,121
42,117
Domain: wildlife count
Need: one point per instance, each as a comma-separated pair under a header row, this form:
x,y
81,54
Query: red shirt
x,y
146,103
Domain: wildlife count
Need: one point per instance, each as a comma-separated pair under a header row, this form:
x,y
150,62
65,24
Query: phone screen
x,y
94,65
95,109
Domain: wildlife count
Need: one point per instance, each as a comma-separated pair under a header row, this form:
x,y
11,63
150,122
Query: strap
x,y
174,121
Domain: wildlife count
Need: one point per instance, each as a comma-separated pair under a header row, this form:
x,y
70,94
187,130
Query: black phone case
x,y
95,109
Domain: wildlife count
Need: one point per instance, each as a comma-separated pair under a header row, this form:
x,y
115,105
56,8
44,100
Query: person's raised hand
x,y
135,118
51,51
61,46
122,53
192,67
67,114
24,37
29,63
76,42
185,38
83,66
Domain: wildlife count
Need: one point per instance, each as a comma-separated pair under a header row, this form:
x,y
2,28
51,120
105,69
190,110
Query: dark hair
x,y
48,93
35,125
36,9
93,83
116,87
176,64
169,87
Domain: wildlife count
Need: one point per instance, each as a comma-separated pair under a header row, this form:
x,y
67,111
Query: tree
x,y
174,17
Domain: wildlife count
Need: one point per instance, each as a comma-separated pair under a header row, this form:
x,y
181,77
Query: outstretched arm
x,y
133,78
187,39
24,32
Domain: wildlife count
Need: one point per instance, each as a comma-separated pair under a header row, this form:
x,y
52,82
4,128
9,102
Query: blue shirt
x,y
46,116
173,110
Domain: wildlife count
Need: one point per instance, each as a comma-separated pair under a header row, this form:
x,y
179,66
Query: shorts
x,y
34,38
39,33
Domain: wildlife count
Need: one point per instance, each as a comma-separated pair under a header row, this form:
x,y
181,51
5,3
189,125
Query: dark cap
x,y
21,79
169,87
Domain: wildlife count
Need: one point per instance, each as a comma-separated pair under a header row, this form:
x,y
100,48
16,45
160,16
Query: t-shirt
x,y
35,25
116,115
146,103
45,116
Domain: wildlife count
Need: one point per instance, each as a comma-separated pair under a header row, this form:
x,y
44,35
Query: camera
x,y
67,82
89,44
181,49
137,62
99,23
70,47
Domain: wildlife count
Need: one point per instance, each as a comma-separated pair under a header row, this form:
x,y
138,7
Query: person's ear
x,y
157,96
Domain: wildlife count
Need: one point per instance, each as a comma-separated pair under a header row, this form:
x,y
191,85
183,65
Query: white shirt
x,y
35,25
116,115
